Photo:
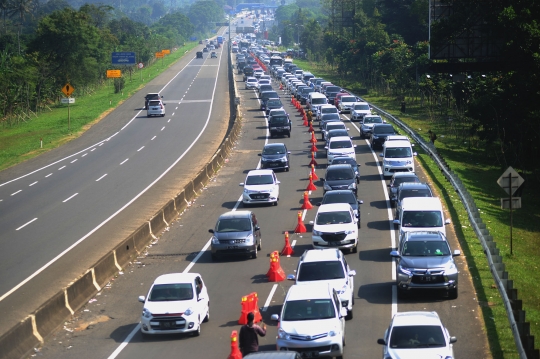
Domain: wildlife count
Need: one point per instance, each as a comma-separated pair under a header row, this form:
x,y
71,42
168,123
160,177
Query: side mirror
x,y
447,221
311,222
360,202
141,298
456,253
396,221
274,317
412,144
242,184
381,154
388,185
211,231
394,254
343,312
319,203
354,146
325,147
278,182
381,341
415,154
291,277
352,272
453,340
257,228
288,152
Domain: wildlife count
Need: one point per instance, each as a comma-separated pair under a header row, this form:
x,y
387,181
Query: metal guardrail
x,y
495,261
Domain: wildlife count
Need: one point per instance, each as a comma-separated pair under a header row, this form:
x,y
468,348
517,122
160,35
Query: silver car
x,y
155,108
425,261
236,233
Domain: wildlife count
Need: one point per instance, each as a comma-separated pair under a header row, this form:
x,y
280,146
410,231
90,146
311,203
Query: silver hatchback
x,y
236,233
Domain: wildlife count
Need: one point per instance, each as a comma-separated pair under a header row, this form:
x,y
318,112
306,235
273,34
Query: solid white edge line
x,y
27,223
269,299
201,252
394,300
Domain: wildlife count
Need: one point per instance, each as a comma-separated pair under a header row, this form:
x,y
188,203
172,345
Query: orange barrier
x,y
311,186
245,310
307,204
287,249
300,227
313,174
250,304
235,351
275,273
313,162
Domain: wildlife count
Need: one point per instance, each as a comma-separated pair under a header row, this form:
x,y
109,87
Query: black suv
x,y
340,177
279,125
248,71
379,134
151,96
411,189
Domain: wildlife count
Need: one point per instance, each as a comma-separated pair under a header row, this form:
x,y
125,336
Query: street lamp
x,y
298,35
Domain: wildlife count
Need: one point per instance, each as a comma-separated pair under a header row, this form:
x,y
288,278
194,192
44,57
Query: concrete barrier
x,y
105,269
80,291
169,212
126,250
157,224
141,237
18,341
52,314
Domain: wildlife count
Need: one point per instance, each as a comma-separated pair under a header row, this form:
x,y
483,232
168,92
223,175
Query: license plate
x,y
279,130
167,324
428,278
310,355
258,197
232,247
272,164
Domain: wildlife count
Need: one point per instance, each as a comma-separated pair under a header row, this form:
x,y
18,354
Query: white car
x,y
155,108
359,110
417,335
326,109
258,73
261,186
346,103
251,83
312,322
335,226
327,266
175,303
340,146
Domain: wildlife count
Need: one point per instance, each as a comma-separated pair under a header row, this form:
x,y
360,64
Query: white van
x,y
398,156
315,100
421,214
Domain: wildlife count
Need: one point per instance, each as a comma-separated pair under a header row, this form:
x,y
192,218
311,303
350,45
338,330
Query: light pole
x,y
298,35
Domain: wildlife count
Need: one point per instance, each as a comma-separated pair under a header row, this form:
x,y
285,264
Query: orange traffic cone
x,y
313,174
313,139
235,351
311,186
275,273
305,123
300,227
287,249
313,162
311,129
313,148
307,204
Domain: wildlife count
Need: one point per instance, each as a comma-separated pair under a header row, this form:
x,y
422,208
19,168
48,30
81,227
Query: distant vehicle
x,y
220,39
213,55
155,108
199,55
151,96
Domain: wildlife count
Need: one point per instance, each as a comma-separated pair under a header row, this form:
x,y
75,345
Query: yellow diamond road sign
x,y
510,180
68,90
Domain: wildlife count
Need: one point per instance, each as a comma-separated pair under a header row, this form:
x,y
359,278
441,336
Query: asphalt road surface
x,y
108,326
62,211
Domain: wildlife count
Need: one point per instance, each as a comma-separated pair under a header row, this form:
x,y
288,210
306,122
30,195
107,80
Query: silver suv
x,y
425,261
327,266
237,233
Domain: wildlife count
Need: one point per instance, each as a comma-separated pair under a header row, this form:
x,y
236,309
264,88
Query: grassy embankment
x,y
478,168
21,142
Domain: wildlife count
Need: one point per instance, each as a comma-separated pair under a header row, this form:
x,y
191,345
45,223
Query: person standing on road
x,y
249,340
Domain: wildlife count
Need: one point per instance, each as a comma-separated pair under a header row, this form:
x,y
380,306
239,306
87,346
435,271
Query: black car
x,y
267,95
343,196
205,49
340,177
272,104
350,161
397,179
248,71
411,189
379,134
275,156
151,96
279,125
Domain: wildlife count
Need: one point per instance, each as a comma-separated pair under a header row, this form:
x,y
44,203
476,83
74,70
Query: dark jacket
x,y
249,341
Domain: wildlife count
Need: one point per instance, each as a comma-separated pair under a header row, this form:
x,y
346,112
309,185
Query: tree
x,y
20,8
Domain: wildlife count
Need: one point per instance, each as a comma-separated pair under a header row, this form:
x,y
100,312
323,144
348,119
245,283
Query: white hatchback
x,y
261,186
335,226
340,146
175,303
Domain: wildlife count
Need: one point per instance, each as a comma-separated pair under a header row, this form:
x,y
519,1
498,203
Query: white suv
x,y
340,146
335,226
261,186
359,110
417,335
312,322
327,266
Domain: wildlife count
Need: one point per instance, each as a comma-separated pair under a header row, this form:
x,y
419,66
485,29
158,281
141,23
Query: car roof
x,y
236,214
319,255
339,166
397,138
404,174
176,278
416,318
309,291
340,138
421,204
277,144
251,78
333,207
260,172
273,355
413,185
424,236
400,143
338,192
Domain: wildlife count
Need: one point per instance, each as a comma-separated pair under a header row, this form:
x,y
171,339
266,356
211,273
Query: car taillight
x,y
161,105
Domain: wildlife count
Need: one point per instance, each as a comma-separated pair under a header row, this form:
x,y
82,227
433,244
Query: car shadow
x,y
376,293
376,255
370,177
380,225
378,204
373,164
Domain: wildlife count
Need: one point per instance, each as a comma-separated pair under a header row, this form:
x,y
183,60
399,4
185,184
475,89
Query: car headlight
x,y
352,185
188,311
327,187
386,163
350,231
409,162
316,233
333,333
215,240
283,335
405,270
249,239
375,137
451,269
284,159
343,289
146,313
249,191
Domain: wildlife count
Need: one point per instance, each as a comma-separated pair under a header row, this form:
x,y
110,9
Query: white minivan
x,y
421,214
315,100
397,156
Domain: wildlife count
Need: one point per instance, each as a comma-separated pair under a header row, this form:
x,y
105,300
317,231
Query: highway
x,y
61,212
108,326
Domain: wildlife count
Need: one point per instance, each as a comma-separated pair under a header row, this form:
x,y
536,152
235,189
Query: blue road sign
x,y
123,58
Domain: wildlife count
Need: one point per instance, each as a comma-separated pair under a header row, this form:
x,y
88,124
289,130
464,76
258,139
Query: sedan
x,y
175,303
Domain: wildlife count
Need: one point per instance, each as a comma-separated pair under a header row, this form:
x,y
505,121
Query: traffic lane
x,y
453,313
107,235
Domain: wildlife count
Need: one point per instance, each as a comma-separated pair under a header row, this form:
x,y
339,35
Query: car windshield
x,y
259,179
233,225
398,152
417,336
348,99
424,219
251,80
338,174
318,101
344,160
340,144
274,150
339,132
276,103
269,94
330,117
155,103
347,197
373,120
399,180
329,110
335,89
383,129
264,82
425,248
310,271
361,107
171,292
278,120
334,126
277,112
296,310
325,218
417,192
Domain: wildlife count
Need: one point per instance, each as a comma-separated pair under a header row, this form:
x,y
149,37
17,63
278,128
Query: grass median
x,y
479,166
49,129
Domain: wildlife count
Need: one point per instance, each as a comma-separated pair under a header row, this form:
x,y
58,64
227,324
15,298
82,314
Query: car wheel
x,y
349,315
163,115
254,255
260,244
275,203
198,331
453,293
289,134
207,317
354,249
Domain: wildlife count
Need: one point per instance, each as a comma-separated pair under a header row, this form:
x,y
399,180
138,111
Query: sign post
x,y
68,90
510,181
